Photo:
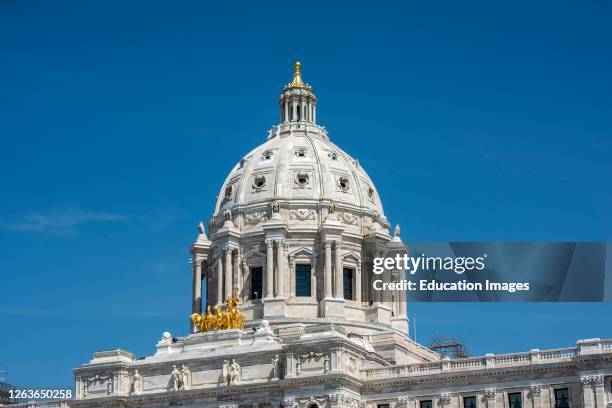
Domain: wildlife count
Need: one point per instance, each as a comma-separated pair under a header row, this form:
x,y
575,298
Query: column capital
x,y
197,260
327,244
269,242
230,246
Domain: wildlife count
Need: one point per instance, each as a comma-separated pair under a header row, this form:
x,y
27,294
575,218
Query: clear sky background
x,y
119,121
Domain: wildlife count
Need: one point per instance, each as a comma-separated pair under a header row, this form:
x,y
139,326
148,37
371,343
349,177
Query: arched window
x,y
302,280
298,113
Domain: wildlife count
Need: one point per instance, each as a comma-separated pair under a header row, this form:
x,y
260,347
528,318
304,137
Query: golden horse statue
x,y
230,318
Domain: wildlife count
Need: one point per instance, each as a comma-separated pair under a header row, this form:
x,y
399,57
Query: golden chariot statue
x,y
230,318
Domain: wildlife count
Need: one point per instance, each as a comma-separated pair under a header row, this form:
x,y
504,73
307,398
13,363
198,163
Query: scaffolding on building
x,y
451,347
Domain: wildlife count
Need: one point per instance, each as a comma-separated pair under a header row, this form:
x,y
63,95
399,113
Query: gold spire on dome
x,y
297,77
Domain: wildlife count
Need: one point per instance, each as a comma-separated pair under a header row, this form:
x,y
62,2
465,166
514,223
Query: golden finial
x,y
297,76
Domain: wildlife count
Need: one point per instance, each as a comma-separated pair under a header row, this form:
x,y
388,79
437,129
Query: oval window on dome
x,y
228,191
332,155
302,179
267,155
370,193
259,182
343,183
300,152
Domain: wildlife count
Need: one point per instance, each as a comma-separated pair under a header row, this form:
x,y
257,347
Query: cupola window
x,y
302,280
256,282
348,283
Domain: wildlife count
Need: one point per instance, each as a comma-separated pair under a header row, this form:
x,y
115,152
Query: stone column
x,y
197,285
236,278
293,110
328,270
358,283
313,279
314,113
339,292
228,270
269,268
280,269
286,108
219,279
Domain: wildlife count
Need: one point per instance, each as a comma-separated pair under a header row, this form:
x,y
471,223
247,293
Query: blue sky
x,y
120,120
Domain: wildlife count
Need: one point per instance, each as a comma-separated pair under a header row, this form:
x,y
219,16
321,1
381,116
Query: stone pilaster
x,y
593,392
534,394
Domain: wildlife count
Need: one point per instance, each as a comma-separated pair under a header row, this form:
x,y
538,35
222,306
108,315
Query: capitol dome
x,y
298,162
296,226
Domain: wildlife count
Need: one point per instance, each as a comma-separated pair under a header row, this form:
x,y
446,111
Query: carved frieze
x,y
302,214
348,218
255,218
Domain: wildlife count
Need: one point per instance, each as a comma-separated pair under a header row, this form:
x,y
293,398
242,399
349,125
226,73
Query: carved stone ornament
x,y
255,218
445,398
490,394
535,390
136,383
402,403
352,365
230,372
302,214
290,403
592,380
348,218
177,379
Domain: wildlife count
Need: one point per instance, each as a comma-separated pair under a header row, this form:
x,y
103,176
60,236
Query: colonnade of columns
x,y
307,109
229,278
228,273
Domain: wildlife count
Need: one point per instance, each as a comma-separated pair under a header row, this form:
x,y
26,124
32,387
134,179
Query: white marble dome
x,y
299,163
